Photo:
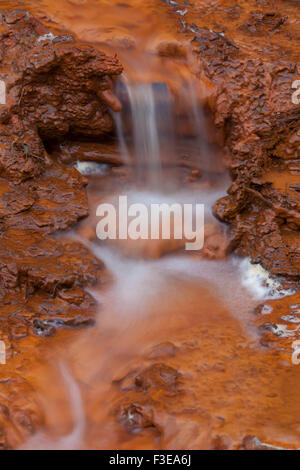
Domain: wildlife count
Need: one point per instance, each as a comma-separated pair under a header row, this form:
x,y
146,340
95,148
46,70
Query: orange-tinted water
x,y
175,360
115,387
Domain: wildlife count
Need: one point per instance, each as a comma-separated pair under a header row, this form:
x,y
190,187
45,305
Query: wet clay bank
x,y
38,195
42,278
180,393
245,56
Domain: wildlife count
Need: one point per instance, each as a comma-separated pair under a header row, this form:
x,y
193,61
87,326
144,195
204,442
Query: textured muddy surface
x,y
196,375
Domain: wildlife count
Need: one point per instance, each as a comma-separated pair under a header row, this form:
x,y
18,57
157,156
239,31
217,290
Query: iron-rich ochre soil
x,y
205,385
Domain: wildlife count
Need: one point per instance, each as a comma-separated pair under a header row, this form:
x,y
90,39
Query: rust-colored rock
x,y
41,278
221,398
53,85
259,120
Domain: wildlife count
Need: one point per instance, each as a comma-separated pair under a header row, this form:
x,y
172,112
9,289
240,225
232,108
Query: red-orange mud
x,y
227,385
188,374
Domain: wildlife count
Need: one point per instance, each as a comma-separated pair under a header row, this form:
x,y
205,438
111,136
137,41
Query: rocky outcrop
x,y
249,51
54,87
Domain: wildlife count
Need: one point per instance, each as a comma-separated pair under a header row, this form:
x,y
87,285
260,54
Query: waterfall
x,y
147,130
121,139
197,125
147,109
145,133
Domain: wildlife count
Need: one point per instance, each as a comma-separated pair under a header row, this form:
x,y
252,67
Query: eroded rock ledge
x,y
54,87
254,64
57,88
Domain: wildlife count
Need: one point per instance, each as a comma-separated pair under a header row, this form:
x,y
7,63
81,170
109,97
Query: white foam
x,y
258,281
283,331
266,310
139,281
291,318
182,12
47,37
91,168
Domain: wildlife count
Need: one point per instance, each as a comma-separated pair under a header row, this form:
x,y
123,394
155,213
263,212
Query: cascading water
x,y
197,125
172,361
146,130
148,111
155,304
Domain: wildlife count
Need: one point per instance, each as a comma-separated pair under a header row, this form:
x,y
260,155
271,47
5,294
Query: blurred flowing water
x,y
149,117
201,307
